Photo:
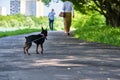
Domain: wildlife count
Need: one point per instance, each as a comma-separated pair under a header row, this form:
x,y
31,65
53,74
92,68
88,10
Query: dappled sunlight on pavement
x,y
53,62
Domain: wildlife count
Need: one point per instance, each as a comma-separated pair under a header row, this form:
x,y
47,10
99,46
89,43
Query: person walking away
x,y
69,12
51,19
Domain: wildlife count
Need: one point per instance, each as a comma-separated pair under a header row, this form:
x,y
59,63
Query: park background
x,y
88,24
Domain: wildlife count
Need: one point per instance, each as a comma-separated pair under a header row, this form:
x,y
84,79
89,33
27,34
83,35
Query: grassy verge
x,y
18,32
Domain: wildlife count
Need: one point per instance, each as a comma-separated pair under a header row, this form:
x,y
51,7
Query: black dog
x,y
37,39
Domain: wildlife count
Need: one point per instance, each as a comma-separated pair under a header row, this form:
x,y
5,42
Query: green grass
x,y
101,34
18,32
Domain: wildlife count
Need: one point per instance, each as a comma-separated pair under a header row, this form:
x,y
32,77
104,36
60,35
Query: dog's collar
x,y
43,36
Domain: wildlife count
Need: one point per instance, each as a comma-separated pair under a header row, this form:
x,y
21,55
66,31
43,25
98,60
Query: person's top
x,y
51,15
68,6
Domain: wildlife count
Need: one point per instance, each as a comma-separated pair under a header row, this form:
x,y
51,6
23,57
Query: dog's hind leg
x,y
37,49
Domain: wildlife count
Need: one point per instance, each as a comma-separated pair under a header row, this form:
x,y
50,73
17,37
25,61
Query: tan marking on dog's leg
x,y
37,49
28,46
24,48
27,51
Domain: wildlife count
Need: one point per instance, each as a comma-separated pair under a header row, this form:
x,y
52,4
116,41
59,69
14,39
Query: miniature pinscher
x,y
38,39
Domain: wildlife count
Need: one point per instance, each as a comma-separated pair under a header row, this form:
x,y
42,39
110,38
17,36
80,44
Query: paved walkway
x,y
65,58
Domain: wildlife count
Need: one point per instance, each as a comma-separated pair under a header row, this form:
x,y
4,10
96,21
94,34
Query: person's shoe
x,y
68,34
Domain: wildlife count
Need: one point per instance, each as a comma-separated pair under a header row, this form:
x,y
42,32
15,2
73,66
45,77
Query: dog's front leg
x,y
24,48
42,49
37,49
27,46
27,51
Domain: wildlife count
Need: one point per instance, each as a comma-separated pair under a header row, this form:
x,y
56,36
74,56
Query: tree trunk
x,y
113,21
112,18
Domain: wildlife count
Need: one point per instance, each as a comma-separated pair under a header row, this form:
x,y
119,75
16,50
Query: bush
x,y
4,23
14,23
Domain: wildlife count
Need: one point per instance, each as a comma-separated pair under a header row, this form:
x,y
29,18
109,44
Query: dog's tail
x,y
25,37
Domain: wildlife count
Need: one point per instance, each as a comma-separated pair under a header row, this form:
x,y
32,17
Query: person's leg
x,y
67,23
66,26
49,24
52,23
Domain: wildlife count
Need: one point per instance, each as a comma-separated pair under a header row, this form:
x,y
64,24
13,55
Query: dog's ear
x,y
42,29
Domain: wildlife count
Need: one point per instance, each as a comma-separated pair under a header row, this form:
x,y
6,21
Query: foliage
x,y
46,2
29,22
19,24
22,21
92,28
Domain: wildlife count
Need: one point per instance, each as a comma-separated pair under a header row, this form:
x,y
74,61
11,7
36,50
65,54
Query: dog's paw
x,y
25,52
28,53
37,52
42,52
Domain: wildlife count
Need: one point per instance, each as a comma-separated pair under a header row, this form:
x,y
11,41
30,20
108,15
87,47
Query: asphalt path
x,y
65,58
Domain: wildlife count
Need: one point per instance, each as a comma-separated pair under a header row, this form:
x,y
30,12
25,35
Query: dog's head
x,y
44,32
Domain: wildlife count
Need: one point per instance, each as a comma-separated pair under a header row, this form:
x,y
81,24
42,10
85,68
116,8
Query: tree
x,y
46,2
109,8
